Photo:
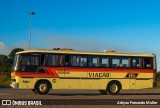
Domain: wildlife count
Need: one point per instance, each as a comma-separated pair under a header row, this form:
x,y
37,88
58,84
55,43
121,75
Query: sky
x,y
131,26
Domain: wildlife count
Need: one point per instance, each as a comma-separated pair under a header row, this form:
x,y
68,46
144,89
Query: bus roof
x,y
86,52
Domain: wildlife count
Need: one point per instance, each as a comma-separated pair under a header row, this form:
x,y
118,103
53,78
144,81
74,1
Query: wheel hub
x,y
43,87
114,88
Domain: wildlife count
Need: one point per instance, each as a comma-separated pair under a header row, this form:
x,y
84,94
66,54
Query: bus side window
x,y
125,62
148,66
42,59
52,60
104,62
47,60
83,61
147,63
67,60
62,60
136,62
94,61
78,61
115,62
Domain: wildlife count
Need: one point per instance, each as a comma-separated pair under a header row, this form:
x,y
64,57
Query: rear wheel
x,y
102,92
42,88
113,88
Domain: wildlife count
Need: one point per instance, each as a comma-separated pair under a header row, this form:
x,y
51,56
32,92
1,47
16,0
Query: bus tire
x,y
42,87
103,92
113,88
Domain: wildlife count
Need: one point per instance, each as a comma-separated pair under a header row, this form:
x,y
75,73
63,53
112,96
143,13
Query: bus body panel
x,y
94,84
80,79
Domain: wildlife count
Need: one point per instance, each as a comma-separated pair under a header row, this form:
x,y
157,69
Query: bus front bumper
x,y
14,85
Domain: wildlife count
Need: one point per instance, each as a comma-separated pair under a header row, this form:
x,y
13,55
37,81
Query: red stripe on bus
x,y
106,70
52,72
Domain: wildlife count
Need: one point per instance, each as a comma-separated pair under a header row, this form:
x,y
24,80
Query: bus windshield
x,y
15,60
14,67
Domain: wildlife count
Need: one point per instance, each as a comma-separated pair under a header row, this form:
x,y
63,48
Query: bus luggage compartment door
x,y
132,83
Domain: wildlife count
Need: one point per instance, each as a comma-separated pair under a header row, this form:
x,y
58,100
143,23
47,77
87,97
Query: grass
x,y
158,83
4,81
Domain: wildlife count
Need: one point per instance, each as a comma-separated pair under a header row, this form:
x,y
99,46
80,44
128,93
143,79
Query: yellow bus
x,y
108,71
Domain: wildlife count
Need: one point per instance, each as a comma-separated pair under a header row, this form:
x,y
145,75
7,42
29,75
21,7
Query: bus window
x,y
56,60
116,62
52,60
136,62
83,61
29,63
42,59
93,61
15,60
104,62
78,61
66,60
15,63
125,63
98,61
121,62
147,63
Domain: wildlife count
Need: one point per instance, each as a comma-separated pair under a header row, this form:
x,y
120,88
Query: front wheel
x,y
42,88
113,88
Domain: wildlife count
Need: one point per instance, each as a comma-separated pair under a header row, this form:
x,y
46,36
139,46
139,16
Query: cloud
x,y
4,49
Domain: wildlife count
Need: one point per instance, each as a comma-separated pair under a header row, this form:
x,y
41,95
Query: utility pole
x,y
30,13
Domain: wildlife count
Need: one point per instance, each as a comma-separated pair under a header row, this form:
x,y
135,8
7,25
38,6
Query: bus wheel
x,y
42,88
113,88
102,92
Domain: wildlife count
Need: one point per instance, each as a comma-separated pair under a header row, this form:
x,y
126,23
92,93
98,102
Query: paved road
x,y
149,94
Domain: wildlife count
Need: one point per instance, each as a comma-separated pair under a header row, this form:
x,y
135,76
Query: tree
x,y
13,52
5,65
158,73
2,62
7,61
56,48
